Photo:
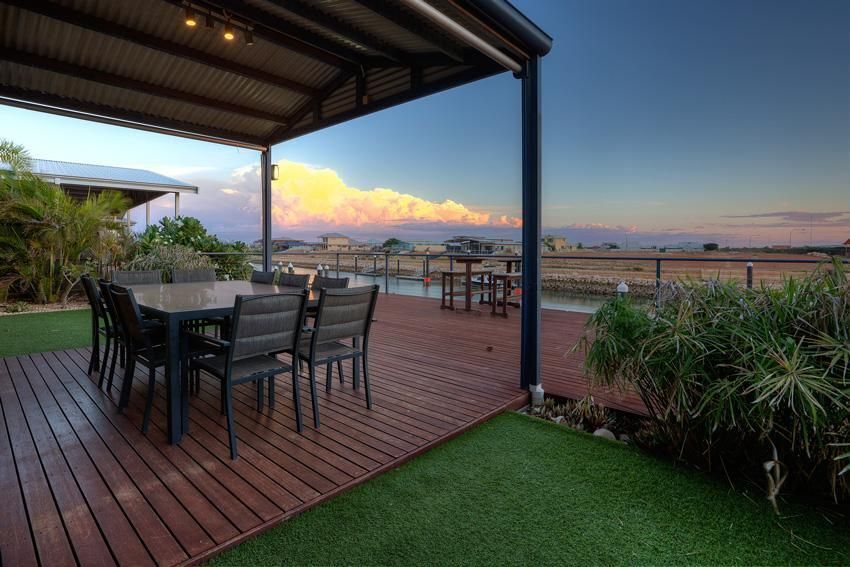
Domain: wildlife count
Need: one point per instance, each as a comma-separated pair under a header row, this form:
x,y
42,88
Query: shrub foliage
x,y
756,379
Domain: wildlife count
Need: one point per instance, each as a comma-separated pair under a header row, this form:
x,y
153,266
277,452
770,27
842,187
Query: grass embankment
x,y
521,490
42,332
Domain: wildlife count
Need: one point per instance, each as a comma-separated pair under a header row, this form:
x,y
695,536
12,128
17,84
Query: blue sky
x,y
663,119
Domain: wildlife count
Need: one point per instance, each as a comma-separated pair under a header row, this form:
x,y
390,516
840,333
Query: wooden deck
x,y
82,485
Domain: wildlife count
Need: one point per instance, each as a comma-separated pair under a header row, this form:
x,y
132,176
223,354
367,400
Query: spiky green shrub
x,y
755,379
48,239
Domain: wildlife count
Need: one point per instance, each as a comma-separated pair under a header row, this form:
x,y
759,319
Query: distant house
x,y
334,241
481,245
428,247
281,244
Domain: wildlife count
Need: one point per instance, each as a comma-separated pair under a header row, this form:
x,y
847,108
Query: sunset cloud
x,y
309,196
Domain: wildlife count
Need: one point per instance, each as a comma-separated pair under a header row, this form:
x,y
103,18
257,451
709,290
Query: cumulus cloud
x,y
306,196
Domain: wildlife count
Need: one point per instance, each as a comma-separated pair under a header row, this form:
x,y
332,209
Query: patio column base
x,y
536,391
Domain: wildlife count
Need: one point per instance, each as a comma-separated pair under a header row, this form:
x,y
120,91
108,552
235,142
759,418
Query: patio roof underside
x,y
312,64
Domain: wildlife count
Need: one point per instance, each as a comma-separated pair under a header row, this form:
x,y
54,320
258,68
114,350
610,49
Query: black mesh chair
x,y
262,326
293,280
101,324
189,276
144,343
262,277
320,283
118,343
342,314
136,277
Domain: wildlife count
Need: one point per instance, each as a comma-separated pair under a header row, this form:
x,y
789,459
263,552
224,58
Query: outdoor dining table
x,y
175,303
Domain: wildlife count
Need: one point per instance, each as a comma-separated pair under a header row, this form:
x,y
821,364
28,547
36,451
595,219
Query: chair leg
x,y
228,410
127,384
296,400
271,392
314,395
106,343
149,401
123,357
329,371
222,396
94,360
112,365
259,384
366,381
339,369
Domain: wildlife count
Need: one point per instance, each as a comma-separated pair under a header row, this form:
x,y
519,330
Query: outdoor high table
x,y
174,303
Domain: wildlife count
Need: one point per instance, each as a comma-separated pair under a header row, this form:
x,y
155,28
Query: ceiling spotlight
x,y
191,21
249,37
209,22
228,32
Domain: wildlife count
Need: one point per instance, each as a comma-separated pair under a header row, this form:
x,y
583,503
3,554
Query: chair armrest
x,y
208,340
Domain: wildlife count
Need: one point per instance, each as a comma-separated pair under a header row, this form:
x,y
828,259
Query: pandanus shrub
x,y
753,379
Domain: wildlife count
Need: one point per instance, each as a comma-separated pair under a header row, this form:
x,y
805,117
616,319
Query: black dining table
x,y
178,302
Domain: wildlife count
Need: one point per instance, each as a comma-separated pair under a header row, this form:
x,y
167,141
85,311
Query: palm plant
x,y
46,235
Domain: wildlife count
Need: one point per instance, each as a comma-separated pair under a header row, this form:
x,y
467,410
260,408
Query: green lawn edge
x,y
520,490
25,333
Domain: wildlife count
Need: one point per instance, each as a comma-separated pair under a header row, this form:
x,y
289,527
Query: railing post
x,y
375,265
426,277
657,275
386,272
337,265
749,275
355,265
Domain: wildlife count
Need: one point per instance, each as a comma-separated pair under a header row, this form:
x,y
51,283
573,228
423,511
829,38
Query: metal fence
x,y
420,266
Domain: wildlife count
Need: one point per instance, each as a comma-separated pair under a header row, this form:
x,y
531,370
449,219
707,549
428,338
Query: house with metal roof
x,y
141,186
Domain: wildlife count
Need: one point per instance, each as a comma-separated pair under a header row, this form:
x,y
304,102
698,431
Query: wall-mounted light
x,y
228,32
274,172
249,37
190,19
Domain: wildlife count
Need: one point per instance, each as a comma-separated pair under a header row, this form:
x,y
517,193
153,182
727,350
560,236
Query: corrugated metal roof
x,y
136,61
71,170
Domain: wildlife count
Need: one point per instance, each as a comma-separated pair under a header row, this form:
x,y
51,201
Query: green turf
x,y
521,490
41,332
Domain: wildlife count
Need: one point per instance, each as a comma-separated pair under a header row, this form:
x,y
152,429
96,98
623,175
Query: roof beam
x,y
113,80
305,108
277,30
99,25
412,25
341,29
461,78
62,106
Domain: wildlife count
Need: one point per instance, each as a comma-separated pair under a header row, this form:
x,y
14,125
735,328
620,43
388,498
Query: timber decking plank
x,y
434,374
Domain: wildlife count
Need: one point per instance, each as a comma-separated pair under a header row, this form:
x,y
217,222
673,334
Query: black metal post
x,y
657,275
355,265
749,275
531,230
266,199
337,265
386,272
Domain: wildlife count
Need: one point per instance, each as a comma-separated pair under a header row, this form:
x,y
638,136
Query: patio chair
x,y
144,345
320,282
293,280
189,276
118,343
342,314
137,277
262,277
101,324
262,325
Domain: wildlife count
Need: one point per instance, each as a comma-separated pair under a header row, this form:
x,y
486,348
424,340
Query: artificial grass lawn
x,y
42,332
522,490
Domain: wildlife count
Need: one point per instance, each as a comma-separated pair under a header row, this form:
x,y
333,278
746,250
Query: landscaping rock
x,y
625,438
602,432
558,419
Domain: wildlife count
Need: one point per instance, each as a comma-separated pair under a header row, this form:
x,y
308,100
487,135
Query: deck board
x,y
82,484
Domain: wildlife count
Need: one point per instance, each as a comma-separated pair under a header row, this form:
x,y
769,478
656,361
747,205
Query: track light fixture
x,y
193,11
190,19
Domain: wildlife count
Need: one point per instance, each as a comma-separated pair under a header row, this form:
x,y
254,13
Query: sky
x,y
663,121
